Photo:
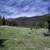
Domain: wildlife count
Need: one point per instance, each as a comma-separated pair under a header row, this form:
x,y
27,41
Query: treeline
x,y
33,22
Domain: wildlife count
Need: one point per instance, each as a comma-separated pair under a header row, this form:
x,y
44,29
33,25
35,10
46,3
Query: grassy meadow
x,y
20,38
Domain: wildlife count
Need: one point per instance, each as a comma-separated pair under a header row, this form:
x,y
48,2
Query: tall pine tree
x,y
0,20
3,20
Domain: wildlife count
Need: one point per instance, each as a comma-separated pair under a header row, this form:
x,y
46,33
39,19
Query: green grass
x,y
20,38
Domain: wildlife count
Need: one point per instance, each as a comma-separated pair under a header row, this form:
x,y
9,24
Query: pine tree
x,y
0,20
3,20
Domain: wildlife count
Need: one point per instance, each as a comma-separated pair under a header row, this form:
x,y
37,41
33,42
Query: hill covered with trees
x,y
2,20
35,21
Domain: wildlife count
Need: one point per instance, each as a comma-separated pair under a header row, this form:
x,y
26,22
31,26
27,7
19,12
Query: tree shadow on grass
x,y
1,42
46,34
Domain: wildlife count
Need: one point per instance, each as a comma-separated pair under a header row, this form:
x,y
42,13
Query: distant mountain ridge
x,y
33,17
29,21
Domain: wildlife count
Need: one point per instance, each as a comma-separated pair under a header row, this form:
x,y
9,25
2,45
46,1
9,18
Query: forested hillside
x,y
35,21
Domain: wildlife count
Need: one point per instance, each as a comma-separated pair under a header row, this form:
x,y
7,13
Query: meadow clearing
x,y
20,38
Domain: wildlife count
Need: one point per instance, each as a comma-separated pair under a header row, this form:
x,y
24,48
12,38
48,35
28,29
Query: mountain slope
x,y
30,21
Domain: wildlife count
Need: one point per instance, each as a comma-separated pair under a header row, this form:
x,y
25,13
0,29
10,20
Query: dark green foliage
x,y
1,20
46,34
1,42
12,23
32,22
4,21
49,23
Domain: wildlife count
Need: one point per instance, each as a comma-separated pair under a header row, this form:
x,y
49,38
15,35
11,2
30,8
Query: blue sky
x,y
15,8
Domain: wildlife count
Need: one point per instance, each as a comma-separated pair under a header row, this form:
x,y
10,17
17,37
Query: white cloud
x,y
23,7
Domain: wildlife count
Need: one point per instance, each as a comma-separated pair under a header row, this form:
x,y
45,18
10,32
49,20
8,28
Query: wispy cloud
x,y
14,8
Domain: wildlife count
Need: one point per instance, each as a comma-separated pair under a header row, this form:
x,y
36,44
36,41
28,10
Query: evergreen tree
x,y
0,20
3,20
